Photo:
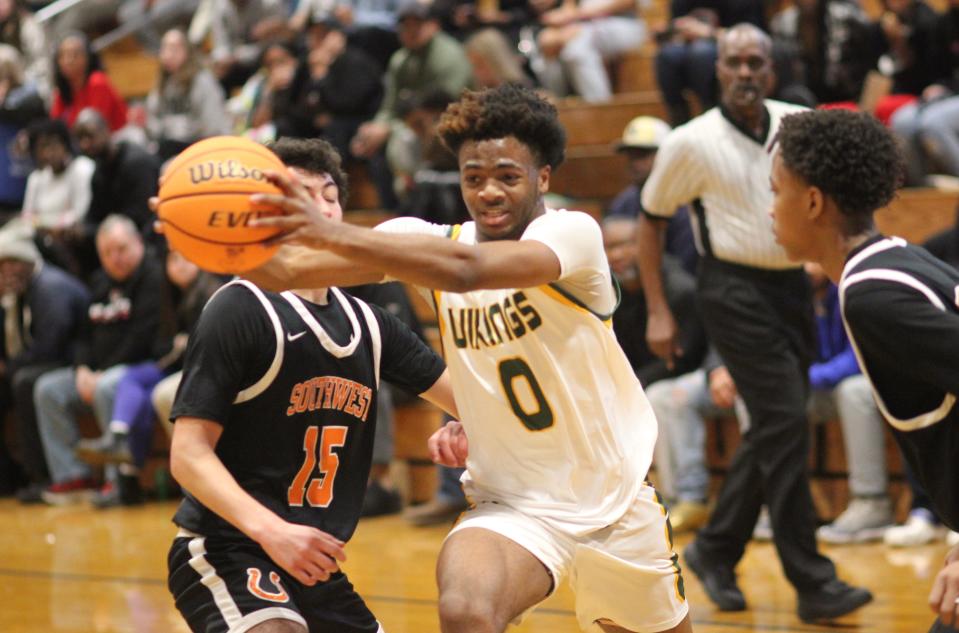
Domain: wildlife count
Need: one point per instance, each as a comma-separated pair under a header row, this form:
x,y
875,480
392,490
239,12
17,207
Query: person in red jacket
x,y
80,83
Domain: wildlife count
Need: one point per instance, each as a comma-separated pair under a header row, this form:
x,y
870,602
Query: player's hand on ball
x,y
449,445
302,221
308,554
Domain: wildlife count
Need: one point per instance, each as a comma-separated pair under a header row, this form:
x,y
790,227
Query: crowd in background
x,y
96,311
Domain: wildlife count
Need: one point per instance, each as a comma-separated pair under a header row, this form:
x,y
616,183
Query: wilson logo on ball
x,y
225,170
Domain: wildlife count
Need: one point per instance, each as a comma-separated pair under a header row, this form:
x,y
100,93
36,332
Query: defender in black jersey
x,y
899,303
273,440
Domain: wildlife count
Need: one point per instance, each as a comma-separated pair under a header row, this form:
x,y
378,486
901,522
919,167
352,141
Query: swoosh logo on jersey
x,y
293,337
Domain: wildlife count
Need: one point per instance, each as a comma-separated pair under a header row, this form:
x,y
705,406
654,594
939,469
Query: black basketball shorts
x,y
229,586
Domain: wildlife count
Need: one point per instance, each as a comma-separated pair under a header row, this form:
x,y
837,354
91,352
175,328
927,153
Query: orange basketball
x,y
205,203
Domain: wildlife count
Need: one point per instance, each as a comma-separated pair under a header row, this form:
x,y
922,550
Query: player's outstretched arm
x,y
301,267
424,260
307,553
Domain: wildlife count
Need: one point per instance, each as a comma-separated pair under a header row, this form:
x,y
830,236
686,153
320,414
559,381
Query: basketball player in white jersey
x,y
560,433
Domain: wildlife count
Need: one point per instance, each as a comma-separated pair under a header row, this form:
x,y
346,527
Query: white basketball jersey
x,y
558,424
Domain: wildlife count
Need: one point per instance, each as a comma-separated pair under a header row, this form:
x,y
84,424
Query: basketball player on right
x,y
560,432
832,171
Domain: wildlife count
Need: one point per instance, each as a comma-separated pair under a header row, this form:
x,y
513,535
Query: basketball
x,y
205,203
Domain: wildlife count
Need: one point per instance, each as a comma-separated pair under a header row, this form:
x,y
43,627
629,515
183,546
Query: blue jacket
x,y
835,359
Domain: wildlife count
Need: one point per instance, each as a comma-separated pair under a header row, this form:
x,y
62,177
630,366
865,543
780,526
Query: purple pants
x,y
132,405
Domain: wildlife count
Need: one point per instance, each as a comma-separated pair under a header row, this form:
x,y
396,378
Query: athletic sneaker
x,y
919,529
109,448
68,492
865,519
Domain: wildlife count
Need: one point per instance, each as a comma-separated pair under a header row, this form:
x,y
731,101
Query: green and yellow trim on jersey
x,y
554,291
452,233
679,584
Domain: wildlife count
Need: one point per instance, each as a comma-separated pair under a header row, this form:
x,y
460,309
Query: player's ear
x,y
816,201
542,179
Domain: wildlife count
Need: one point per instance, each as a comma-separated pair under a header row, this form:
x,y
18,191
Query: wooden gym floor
x,y
79,570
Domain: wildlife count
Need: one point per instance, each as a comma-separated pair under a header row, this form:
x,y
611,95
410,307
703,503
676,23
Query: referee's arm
x,y
662,194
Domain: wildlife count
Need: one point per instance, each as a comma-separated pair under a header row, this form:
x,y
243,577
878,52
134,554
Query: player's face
x,y
323,191
791,211
502,186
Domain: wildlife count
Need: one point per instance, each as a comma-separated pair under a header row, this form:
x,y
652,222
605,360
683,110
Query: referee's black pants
x,y
761,324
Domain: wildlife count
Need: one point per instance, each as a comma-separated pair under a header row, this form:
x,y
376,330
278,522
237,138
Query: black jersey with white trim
x,y
901,310
294,385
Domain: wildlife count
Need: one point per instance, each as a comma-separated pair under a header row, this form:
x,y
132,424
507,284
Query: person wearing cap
x,y
429,60
43,308
641,139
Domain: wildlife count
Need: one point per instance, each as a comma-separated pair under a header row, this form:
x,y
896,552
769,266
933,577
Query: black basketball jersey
x,y
294,385
901,310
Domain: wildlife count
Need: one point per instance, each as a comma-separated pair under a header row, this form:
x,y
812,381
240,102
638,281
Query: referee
x,y
832,171
756,306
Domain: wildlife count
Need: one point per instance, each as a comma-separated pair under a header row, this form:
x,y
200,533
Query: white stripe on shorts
x,y
208,576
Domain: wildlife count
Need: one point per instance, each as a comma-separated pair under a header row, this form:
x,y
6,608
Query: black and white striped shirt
x,y
724,171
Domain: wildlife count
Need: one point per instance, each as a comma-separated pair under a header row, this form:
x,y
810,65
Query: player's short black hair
x,y
850,156
509,110
313,155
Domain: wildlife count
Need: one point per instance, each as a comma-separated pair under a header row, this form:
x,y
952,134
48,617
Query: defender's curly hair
x,y
315,156
509,110
850,156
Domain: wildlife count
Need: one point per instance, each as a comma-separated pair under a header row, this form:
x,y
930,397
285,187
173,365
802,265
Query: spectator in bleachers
x,y
124,178
369,24
463,18
577,40
930,127
121,326
494,60
839,390
432,186
239,31
58,194
20,105
686,59
629,320
429,60
335,88
19,29
833,45
911,54
639,143
129,435
187,103
251,108
79,83
43,308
